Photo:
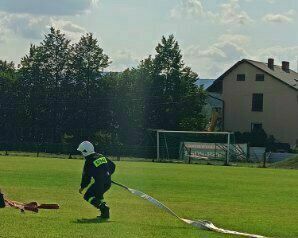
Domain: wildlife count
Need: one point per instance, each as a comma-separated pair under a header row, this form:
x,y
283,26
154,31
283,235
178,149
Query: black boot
x,y
105,211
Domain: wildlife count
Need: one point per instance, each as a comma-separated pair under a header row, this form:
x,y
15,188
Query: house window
x,y
257,102
240,77
260,77
256,126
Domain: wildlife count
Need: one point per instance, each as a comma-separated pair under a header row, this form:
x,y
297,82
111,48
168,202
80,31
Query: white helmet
x,y
86,148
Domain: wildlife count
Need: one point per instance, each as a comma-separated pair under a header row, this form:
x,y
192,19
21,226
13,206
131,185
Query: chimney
x,y
285,66
271,63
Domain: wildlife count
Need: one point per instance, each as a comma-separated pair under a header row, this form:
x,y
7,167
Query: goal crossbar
x,y
196,132
158,131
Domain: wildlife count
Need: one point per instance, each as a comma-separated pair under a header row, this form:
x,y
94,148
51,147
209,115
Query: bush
x,y
256,138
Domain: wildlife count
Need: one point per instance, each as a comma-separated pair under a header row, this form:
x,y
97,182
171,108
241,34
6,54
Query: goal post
x,y
175,145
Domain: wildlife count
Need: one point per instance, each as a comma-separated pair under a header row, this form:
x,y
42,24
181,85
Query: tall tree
x,y
7,101
129,104
56,51
88,63
175,101
43,75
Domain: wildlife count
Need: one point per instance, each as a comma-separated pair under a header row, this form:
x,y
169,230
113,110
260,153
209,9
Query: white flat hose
x,y
205,225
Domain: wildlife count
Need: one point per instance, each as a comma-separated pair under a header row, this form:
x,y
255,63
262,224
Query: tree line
x,y
62,93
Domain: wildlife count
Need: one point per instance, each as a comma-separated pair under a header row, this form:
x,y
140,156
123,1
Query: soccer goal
x,y
198,146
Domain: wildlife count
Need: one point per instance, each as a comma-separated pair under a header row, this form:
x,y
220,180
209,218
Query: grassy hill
x,y
287,164
259,201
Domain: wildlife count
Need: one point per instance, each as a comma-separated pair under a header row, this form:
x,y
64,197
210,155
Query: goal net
x,y
198,147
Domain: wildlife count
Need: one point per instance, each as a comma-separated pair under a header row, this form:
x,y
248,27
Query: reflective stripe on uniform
x,y
90,199
100,161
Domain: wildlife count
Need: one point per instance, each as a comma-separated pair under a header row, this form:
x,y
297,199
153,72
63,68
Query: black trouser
x,y
94,193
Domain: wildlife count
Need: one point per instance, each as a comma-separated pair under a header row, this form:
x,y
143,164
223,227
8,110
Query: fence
x,y
148,152
127,152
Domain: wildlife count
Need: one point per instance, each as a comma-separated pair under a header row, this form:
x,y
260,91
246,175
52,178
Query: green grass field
x,y
254,200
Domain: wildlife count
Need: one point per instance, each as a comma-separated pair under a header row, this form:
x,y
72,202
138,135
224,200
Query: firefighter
x,y
100,169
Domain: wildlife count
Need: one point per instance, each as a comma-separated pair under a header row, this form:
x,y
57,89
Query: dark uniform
x,y
100,169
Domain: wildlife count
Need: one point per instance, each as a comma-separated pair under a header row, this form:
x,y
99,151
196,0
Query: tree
x,y
128,105
44,84
88,63
60,93
159,93
55,49
60,87
31,92
7,69
175,102
8,103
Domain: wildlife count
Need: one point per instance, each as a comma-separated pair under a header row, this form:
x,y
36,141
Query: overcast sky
x,y
213,34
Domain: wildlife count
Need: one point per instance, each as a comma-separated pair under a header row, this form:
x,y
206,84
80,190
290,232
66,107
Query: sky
x,y
212,34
